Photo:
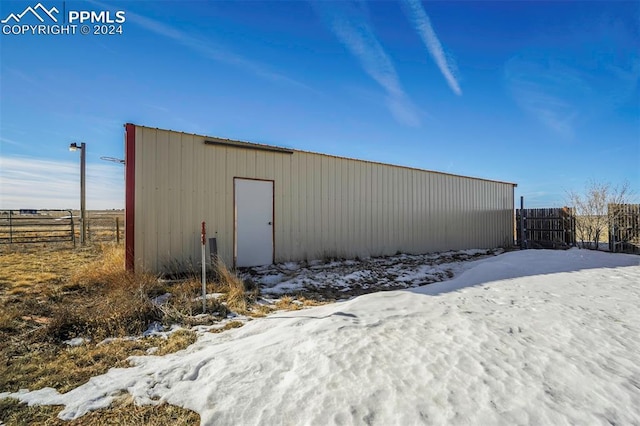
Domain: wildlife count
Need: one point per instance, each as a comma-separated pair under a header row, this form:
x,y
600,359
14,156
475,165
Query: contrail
x,y
416,13
350,26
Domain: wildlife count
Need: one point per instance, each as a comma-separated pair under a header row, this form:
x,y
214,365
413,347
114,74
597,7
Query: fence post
x,y
10,228
522,232
612,236
204,269
73,229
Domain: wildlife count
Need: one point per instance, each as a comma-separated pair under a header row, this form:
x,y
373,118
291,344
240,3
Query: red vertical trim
x,y
235,226
130,194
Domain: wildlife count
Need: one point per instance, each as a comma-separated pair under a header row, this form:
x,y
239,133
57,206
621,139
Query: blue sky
x,y
543,94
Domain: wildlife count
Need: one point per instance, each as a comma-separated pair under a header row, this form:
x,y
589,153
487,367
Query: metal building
x,y
267,204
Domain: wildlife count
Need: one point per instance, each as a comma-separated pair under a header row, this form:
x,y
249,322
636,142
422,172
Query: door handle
x,y
269,223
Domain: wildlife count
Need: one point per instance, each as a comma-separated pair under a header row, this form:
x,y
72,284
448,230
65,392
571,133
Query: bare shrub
x,y
591,209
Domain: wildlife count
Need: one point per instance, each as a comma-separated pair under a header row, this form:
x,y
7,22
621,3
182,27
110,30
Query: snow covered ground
x,y
532,337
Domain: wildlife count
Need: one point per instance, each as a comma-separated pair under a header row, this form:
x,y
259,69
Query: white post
x,y
204,269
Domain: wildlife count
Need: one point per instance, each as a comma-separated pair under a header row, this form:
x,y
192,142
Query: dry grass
x,y
176,342
33,269
238,297
107,300
289,303
65,368
262,310
123,412
185,305
50,295
228,326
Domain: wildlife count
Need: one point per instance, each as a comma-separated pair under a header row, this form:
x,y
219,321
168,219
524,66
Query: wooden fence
x,y
546,228
624,227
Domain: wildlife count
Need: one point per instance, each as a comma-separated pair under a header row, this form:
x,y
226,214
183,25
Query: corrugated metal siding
x,y
324,206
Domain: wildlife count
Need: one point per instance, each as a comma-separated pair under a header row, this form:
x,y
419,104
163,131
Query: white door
x,y
254,222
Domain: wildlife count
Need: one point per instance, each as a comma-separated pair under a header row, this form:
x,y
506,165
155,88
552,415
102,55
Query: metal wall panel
x,y
324,205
